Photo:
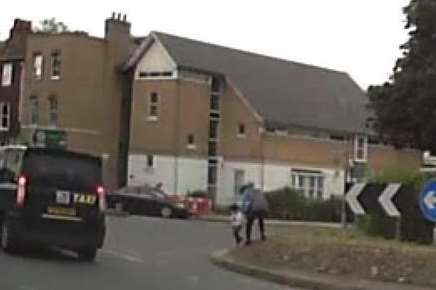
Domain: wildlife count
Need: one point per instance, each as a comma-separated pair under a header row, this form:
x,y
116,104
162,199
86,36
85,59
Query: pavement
x,y
139,253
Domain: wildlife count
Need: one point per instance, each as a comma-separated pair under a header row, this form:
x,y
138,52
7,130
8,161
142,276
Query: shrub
x,y
402,175
290,204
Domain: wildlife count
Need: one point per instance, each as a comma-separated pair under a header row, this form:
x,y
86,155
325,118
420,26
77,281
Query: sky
x,y
360,37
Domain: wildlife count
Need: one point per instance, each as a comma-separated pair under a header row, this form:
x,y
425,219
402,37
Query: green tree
x,y
405,106
51,25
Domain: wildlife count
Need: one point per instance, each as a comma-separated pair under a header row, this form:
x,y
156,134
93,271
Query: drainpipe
x,y
262,168
177,138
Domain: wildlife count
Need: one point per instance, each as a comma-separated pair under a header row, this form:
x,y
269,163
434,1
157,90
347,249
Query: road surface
x,y
139,253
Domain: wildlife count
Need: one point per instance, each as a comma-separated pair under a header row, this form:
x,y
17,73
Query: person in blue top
x,y
254,206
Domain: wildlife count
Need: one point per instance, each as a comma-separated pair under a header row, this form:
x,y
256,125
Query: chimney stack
x,y
117,26
20,27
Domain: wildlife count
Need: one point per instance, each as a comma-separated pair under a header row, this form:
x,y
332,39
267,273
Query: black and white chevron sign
x,y
363,197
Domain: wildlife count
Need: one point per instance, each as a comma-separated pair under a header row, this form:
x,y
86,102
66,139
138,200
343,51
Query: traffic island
x,y
314,258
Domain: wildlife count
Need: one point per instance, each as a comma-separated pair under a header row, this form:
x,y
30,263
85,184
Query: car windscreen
x,y
63,171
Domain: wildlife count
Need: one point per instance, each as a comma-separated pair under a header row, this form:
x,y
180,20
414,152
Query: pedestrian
x,y
254,206
236,220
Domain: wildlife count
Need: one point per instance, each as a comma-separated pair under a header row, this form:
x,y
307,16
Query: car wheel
x,y
9,241
166,212
87,254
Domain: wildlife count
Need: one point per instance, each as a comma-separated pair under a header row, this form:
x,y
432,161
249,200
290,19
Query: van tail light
x,y
101,192
21,191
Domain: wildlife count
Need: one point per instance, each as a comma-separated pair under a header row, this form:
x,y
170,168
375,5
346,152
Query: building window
x,y
214,102
360,148
5,116
53,115
191,141
241,130
215,85
309,183
156,74
212,175
213,129
55,65
34,110
213,148
38,62
239,181
153,107
7,74
150,161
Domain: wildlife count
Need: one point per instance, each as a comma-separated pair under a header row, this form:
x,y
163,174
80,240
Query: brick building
x,y
206,117
197,116
12,54
74,93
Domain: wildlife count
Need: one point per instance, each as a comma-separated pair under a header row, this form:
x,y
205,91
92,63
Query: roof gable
x,y
284,93
155,58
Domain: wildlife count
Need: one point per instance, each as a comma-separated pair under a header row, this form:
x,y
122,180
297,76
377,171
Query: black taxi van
x,y
51,197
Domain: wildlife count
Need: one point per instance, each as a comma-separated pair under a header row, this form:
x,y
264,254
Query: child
x,y
236,219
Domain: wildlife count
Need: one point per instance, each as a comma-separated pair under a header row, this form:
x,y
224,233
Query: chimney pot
x,y
124,18
119,17
113,15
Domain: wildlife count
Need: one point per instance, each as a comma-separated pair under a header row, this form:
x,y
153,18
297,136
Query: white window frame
x,y
53,111
158,77
34,110
153,161
300,180
7,72
52,63
239,134
38,65
150,117
191,146
7,116
357,150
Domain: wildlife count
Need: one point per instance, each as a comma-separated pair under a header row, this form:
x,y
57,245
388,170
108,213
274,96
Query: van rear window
x,y
62,171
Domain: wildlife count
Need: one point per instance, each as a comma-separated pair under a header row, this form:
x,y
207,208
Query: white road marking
x,y
123,256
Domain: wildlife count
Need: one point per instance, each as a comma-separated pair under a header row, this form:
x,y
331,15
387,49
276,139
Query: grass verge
x,y
338,252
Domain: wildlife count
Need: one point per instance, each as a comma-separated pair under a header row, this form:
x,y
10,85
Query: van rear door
x,y
61,185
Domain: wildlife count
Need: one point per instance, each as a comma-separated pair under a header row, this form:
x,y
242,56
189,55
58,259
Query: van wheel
x,y
166,212
87,254
9,240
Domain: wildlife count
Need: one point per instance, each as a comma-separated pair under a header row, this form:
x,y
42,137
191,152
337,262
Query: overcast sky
x,y
360,37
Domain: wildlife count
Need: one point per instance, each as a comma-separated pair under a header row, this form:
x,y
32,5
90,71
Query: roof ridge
x,y
251,53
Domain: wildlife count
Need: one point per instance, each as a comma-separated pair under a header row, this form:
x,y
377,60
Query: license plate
x,y
63,197
54,210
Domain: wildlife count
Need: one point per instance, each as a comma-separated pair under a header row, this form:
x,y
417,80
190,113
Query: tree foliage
x,y
51,25
405,106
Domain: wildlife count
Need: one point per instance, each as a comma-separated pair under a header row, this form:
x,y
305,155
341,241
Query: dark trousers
x,y
237,234
260,216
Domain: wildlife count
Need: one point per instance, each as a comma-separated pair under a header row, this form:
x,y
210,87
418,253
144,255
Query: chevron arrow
x,y
353,202
386,202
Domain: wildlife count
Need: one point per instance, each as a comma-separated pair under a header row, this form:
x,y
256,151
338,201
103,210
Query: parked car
x,y
148,201
51,197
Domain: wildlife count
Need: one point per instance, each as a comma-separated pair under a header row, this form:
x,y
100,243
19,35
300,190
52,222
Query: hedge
x,y
289,204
